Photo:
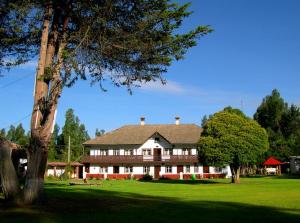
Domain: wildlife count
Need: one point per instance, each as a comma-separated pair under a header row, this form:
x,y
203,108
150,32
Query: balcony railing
x,y
136,159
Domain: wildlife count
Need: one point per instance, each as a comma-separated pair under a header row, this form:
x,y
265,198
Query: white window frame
x,y
186,151
187,169
196,169
146,169
146,152
103,169
168,152
116,152
128,152
128,169
168,169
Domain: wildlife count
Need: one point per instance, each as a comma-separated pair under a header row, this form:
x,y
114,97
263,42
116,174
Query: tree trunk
x,y
36,166
9,179
235,171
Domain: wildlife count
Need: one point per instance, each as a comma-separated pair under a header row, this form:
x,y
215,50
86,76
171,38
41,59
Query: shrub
x,y
147,177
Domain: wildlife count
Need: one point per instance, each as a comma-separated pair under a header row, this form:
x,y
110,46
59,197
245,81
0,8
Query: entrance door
x,y
157,154
179,169
116,169
156,172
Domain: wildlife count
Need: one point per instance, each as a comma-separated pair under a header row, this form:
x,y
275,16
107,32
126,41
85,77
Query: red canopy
x,y
272,162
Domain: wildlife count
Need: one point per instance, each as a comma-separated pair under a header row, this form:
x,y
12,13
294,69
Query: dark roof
x,y
138,134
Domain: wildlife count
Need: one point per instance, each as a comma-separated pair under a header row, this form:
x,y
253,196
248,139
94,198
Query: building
x,y
295,164
163,151
57,169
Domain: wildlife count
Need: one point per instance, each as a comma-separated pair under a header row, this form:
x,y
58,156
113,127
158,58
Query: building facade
x,y
162,151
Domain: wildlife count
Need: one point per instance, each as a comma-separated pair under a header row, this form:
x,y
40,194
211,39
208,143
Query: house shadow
x,y
89,205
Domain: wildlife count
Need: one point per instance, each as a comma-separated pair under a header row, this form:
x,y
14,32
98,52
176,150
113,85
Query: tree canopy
x,y
230,138
127,42
282,123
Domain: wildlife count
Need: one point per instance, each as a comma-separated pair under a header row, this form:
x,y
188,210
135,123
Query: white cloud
x,y
169,87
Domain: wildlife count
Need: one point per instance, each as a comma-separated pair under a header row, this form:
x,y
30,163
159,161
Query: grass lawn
x,y
266,199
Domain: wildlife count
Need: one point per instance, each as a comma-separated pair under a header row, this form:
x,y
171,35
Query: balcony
x,y
140,159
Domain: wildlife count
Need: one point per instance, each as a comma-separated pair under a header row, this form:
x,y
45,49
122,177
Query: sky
x,y
255,47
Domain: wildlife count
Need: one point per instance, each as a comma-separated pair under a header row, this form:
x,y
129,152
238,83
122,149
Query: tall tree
x,y
282,123
77,133
269,113
230,138
54,152
125,41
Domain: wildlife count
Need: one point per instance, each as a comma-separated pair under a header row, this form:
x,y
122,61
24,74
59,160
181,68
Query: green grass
x,y
266,199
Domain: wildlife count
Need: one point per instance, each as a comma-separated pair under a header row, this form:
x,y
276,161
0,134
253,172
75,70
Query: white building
x,y
163,151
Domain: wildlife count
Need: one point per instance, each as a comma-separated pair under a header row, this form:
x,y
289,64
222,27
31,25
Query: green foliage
x,y
99,132
16,135
282,123
147,177
78,134
231,138
127,42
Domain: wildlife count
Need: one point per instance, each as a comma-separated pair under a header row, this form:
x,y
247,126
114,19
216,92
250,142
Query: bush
x,y
147,177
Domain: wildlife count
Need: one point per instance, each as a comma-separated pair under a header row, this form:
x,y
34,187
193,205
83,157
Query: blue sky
x,y
255,48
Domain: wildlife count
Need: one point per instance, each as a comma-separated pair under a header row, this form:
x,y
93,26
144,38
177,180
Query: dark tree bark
x,y
9,179
235,171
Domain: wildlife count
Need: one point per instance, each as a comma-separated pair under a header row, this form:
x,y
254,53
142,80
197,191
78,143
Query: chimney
x,y
142,120
177,120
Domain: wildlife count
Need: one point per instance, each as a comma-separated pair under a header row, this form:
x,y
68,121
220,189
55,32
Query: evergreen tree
x,y
282,124
99,132
77,133
55,153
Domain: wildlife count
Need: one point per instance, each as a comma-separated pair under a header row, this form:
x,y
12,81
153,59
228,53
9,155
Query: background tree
x,y
127,42
55,153
230,138
17,135
77,133
282,123
99,132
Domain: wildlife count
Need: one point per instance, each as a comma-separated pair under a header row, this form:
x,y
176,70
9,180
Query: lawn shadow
x,y
89,205
204,181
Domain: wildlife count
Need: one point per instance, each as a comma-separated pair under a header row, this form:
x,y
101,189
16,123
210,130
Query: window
x,y
186,151
128,152
103,169
146,169
128,169
187,168
196,168
103,152
156,139
218,169
146,152
168,152
168,169
116,152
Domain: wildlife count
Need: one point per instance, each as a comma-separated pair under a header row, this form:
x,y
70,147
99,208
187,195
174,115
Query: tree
x,y
127,42
77,133
269,113
282,123
230,138
17,135
99,132
54,152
